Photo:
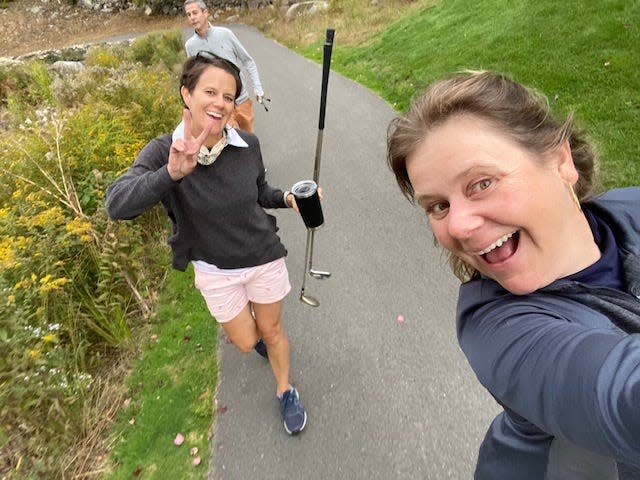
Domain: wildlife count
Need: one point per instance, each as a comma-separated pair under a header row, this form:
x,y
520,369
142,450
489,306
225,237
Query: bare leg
x,y
268,320
242,330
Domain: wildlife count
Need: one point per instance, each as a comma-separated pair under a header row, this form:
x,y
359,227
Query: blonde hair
x,y
519,112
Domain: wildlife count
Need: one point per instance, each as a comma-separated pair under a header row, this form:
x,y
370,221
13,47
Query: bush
x,y
74,285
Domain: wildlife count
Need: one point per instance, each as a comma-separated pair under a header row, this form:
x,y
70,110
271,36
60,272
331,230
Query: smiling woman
x,y
550,271
211,180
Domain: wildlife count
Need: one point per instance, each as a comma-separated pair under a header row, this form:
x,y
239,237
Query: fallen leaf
x,y
132,420
179,440
221,409
137,472
400,319
196,461
193,451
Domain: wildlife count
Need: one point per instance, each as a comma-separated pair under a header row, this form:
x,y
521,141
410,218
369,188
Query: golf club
x,y
308,299
319,274
262,100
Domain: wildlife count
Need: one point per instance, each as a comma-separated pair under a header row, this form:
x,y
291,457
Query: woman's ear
x,y
566,168
186,96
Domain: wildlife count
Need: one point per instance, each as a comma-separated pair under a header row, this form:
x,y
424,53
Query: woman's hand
x,y
183,154
291,200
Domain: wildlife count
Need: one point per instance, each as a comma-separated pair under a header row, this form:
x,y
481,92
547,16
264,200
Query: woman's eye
x,y
437,208
228,99
481,185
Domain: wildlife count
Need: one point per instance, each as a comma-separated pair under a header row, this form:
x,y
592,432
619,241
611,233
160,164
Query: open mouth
x,y
501,249
215,115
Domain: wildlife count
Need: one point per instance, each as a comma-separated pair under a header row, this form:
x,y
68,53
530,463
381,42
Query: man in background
x,y
223,43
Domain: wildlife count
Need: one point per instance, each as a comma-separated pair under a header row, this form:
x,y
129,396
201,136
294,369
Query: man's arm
x,y
247,62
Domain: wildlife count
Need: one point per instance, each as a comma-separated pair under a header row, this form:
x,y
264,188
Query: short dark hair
x,y
194,66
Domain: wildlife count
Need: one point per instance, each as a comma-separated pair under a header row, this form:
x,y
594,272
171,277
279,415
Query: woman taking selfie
x,y
548,309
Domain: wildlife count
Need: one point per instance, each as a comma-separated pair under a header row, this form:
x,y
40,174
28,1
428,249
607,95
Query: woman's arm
x,y
573,380
144,184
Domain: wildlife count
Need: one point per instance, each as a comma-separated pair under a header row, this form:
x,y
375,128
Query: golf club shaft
x,y
326,67
306,258
326,63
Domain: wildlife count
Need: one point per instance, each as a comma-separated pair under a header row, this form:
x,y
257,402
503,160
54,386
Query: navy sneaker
x,y
261,348
293,414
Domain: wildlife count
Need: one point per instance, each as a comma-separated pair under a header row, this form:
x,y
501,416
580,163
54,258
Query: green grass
x,y
172,390
583,54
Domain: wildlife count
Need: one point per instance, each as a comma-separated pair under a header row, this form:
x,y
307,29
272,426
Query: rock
x,y
64,67
306,8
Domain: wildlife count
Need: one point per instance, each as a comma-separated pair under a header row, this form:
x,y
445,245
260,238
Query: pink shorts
x,y
226,294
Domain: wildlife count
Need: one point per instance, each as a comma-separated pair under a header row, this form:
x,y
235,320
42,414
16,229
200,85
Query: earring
x,y
575,197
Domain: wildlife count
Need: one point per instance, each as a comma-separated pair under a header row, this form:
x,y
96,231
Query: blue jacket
x,y
561,361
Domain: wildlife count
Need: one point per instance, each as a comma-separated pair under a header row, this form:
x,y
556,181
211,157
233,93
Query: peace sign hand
x,y
183,154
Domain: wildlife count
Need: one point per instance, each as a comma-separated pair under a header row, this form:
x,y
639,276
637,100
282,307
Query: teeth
x,y
214,114
496,244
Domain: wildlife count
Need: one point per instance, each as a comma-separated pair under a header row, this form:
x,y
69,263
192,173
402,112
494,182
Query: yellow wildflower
x,y
51,216
79,228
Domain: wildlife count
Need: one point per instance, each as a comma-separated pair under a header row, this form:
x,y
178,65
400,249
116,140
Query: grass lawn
x,y
582,54
172,391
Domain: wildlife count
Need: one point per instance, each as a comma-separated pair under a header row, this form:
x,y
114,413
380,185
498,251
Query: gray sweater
x,y
217,211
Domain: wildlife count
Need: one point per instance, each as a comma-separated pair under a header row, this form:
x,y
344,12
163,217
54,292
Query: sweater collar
x,y
233,137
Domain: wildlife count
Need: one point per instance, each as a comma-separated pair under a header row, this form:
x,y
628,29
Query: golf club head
x,y
319,274
311,301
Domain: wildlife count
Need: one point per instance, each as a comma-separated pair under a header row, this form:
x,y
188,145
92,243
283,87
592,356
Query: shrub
x,y
73,284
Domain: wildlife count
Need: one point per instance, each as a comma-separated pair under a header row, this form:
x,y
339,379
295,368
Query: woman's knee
x,y
245,347
272,336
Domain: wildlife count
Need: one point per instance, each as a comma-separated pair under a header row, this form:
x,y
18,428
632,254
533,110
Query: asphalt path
x,y
385,399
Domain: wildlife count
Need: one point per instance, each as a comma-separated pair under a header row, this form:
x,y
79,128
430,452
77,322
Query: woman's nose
x,y
463,219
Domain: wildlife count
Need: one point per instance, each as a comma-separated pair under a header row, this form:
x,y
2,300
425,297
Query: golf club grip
x,y
326,64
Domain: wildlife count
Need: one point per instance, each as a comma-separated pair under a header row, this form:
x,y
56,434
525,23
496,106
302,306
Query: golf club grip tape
x,y
326,63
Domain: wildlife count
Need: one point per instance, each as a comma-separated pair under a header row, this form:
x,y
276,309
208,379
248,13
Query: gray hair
x,y
200,3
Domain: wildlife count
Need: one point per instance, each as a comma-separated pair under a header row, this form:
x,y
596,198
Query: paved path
x,y
386,400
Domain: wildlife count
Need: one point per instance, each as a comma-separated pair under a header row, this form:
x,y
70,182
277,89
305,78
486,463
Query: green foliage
x,y
166,48
24,85
73,284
